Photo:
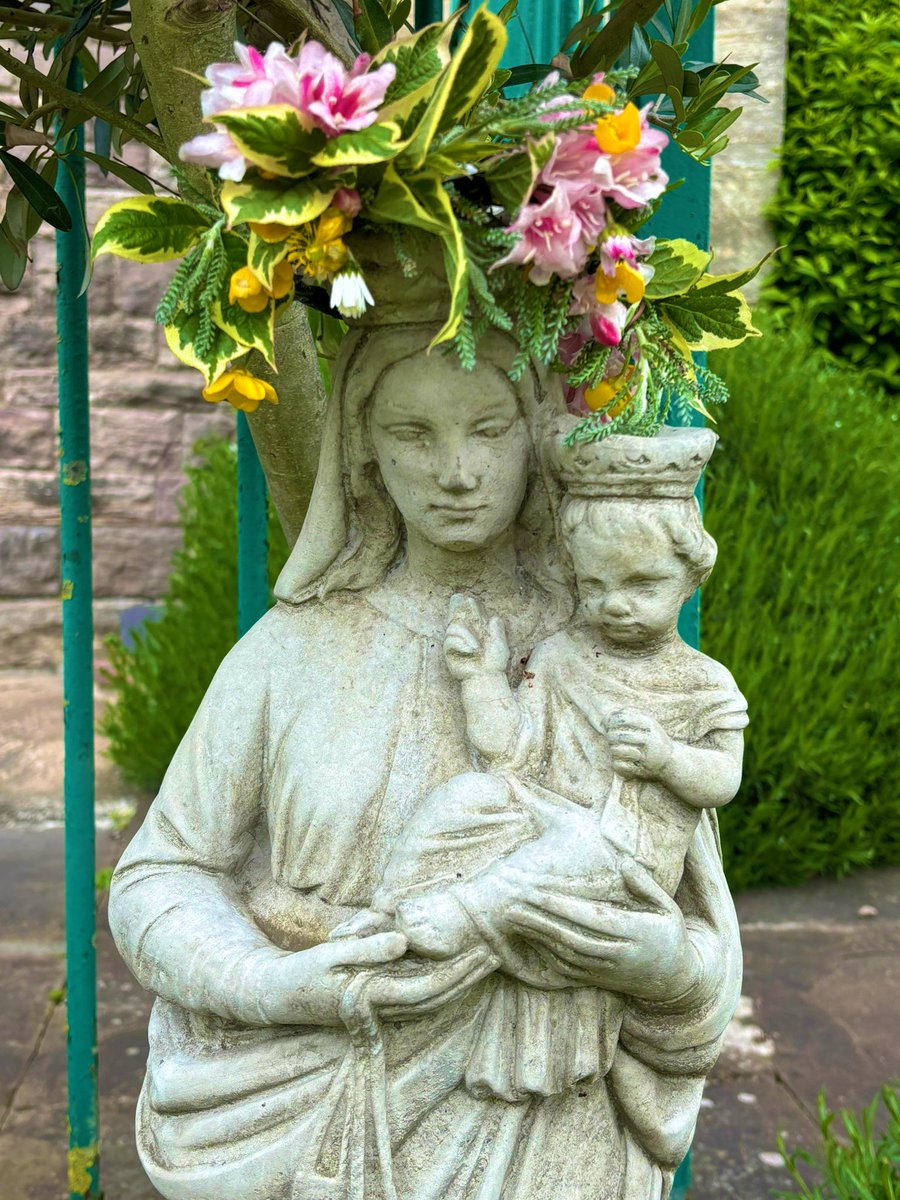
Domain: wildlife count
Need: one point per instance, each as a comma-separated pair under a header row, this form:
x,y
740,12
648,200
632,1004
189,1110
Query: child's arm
x,y
477,654
705,776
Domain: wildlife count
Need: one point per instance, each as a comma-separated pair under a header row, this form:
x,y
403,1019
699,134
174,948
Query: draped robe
x,y
311,750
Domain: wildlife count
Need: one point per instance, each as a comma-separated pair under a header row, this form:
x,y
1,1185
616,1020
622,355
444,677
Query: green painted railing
x,y
78,682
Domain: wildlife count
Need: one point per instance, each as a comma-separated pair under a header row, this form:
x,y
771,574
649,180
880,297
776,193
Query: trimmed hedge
x,y
837,209
158,683
803,497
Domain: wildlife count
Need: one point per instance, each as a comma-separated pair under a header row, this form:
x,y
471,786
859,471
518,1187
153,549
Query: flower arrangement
x,y
536,203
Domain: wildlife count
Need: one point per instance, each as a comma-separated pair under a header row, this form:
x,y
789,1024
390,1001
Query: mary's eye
x,y
409,433
494,430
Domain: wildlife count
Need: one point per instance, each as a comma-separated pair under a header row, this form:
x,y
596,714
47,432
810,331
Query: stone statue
x,y
431,896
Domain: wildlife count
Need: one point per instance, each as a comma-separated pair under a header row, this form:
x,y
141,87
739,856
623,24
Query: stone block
x,y
140,286
212,420
29,561
28,437
133,560
122,387
168,492
103,297
115,342
133,439
32,498
31,631
28,387
33,334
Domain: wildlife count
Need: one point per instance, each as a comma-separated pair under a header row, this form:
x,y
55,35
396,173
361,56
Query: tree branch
x,y
319,21
614,36
31,19
80,103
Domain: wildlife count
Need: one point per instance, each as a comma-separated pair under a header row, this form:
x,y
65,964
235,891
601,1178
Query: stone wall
x,y
744,175
146,411
146,414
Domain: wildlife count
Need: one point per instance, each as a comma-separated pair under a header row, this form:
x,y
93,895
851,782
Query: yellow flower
x,y
246,290
626,279
605,392
321,255
241,389
282,280
601,92
270,232
619,132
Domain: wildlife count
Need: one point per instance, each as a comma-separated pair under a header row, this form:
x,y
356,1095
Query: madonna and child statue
x,y
431,897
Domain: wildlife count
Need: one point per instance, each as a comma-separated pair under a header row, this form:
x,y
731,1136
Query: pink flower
x,y
604,323
570,169
550,239
348,201
337,99
623,247
254,80
637,176
215,150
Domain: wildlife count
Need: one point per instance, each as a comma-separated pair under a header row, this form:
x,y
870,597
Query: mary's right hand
x,y
306,988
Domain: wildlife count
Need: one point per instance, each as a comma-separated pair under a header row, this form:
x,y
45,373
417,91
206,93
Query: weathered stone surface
x,y
142,442
743,178
28,437
151,387
31,631
29,386
133,560
29,561
33,497
139,286
117,342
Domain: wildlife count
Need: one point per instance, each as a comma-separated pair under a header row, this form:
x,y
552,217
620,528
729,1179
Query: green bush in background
x,y
855,1162
803,497
837,208
158,683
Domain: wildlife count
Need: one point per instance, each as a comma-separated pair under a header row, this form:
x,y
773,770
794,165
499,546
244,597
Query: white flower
x,y
349,294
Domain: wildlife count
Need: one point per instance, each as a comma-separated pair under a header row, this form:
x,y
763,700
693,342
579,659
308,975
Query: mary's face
x,y
453,450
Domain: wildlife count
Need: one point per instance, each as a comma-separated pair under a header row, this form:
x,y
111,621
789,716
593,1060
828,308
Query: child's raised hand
x,y
473,644
640,747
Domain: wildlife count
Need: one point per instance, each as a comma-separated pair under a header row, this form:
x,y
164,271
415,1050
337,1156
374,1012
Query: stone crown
x,y
667,466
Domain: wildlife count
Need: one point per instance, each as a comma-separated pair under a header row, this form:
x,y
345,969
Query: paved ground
x,y
820,1005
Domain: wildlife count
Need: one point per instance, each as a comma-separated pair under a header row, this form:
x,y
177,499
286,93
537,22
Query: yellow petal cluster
x,y
626,279
617,133
602,395
247,291
321,254
241,389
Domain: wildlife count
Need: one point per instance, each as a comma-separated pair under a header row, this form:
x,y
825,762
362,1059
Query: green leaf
x,y
396,203
181,338
376,144
714,285
263,257
511,178
43,198
13,257
269,201
709,322
677,265
373,26
130,175
430,194
256,330
461,85
419,60
149,229
273,139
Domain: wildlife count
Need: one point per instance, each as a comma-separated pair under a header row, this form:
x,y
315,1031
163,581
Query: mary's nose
x,y
456,474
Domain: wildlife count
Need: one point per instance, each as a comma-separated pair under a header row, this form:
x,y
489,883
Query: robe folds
x,y
308,757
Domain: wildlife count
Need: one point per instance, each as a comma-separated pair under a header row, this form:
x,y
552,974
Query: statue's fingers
x,y
559,934
591,915
364,951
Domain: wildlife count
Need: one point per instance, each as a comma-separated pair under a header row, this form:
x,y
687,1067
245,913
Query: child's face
x,y
630,592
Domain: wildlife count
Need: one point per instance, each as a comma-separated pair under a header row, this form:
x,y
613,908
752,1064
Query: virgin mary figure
x,y
285,1066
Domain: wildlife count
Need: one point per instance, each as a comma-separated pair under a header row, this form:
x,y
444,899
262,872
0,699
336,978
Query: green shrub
x,y
836,211
803,497
158,683
855,1163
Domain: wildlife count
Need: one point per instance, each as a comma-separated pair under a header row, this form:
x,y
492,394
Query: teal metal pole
x,y
686,213
78,683
253,541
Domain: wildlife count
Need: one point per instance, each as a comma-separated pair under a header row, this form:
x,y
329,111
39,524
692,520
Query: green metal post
x,y
537,29
428,12
686,213
78,685
253,542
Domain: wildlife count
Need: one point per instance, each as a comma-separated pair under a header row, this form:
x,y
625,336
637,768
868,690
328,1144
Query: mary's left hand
x,y
645,951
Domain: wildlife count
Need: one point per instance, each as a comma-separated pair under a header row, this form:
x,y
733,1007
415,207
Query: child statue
x,y
618,738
